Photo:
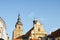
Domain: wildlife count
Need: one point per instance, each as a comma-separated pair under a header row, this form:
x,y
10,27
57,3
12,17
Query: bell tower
x,y
38,30
18,28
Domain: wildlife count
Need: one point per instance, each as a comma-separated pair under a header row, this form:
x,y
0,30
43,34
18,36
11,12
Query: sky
x,y
46,11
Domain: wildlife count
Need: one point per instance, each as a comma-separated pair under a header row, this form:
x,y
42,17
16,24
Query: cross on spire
x,y
35,18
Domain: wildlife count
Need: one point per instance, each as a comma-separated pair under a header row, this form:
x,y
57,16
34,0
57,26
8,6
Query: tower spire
x,y
18,28
19,17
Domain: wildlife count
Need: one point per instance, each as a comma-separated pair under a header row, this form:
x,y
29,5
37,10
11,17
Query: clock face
x,y
1,24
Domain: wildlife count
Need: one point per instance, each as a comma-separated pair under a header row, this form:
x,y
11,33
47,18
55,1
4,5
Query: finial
x,y
34,21
35,18
19,17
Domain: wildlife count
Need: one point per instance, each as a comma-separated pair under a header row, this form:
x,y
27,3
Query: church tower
x,y
18,28
38,30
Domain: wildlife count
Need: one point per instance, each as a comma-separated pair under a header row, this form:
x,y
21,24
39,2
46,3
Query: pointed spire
x,y
19,20
19,17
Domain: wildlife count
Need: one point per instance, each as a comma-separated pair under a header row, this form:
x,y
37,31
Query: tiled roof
x,y
56,33
29,32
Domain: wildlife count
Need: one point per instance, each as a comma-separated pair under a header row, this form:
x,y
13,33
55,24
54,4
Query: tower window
x,y
38,29
19,27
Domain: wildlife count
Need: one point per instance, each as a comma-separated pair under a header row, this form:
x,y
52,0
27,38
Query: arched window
x,y
19,27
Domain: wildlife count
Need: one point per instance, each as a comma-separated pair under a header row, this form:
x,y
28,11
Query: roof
x,y
29,32
56,33
23,36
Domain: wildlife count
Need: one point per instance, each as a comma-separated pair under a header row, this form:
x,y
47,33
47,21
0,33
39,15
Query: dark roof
x,y
19,20
29,32
56,33
23,36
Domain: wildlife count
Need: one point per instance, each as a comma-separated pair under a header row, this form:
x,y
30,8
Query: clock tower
x,y
18,31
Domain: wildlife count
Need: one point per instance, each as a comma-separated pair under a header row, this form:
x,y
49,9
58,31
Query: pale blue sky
x,y
46,11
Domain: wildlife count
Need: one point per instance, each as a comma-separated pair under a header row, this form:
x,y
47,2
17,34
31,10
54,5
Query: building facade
x,y
3,34
37,32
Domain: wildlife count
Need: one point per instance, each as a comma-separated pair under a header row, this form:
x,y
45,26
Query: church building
x,y
37,32
18,31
